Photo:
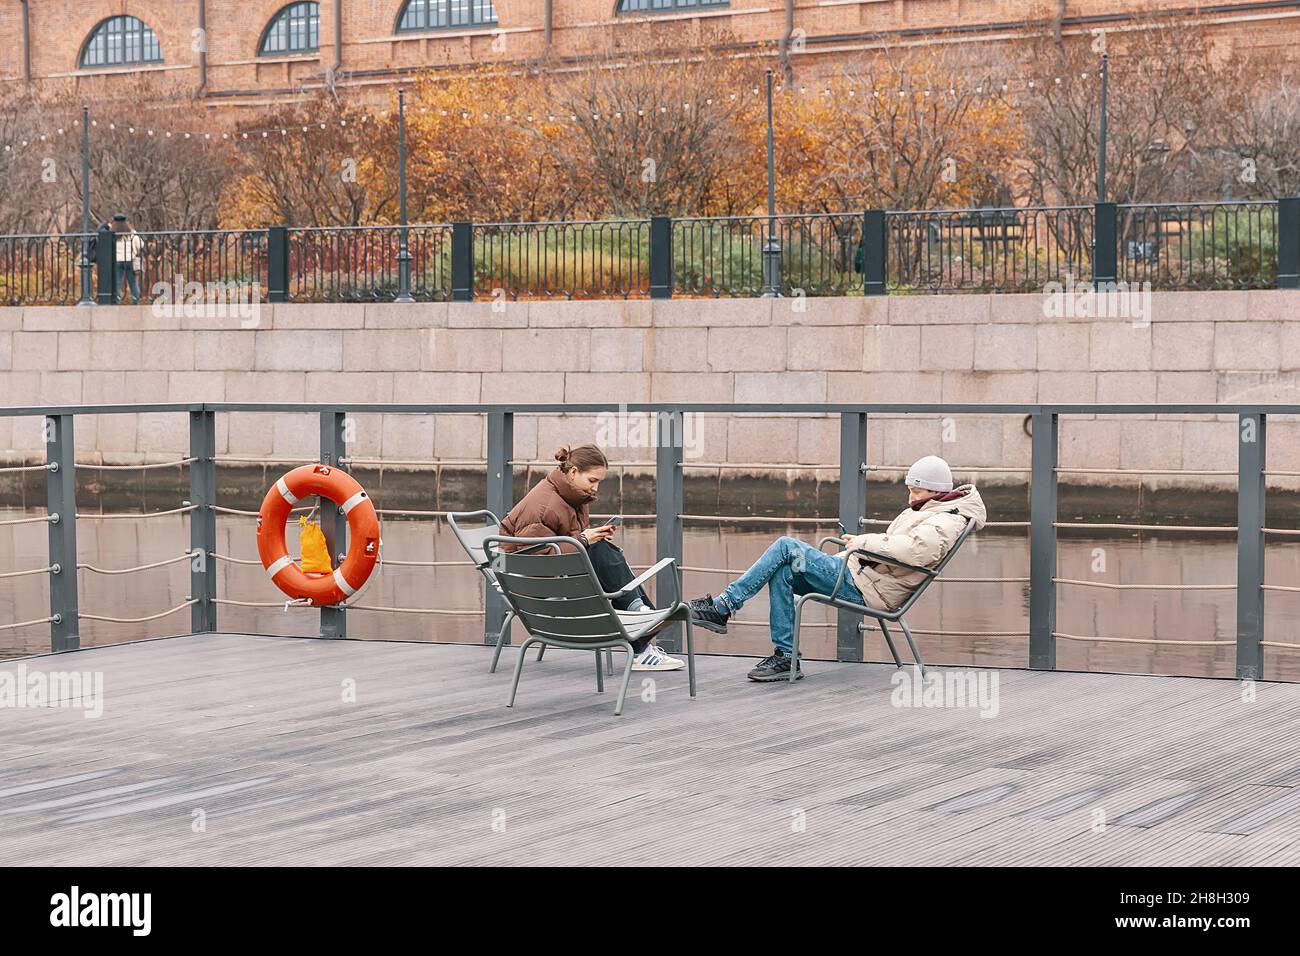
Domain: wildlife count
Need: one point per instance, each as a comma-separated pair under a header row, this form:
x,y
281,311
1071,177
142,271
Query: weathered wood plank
x,y
255,737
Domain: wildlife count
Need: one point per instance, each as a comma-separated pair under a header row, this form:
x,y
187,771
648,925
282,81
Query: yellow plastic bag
x,y
315,552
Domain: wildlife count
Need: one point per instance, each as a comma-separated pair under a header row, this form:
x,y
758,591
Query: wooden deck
x,y
253,734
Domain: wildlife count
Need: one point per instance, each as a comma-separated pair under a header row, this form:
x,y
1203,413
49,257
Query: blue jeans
x,y
788,567
126,271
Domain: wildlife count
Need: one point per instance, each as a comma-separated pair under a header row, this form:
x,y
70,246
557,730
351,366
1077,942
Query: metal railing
x,y
989,250
1227,245
40,270
1194,245
568,260
361,264
670,466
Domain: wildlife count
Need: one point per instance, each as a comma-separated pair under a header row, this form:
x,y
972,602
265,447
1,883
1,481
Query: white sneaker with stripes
x,y
653,659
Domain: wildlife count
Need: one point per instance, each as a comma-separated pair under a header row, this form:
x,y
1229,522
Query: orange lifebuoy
x,y
363,525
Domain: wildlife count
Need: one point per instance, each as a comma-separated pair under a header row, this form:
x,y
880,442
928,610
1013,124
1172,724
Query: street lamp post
x,y
403,250
1101,146
771,246
87,298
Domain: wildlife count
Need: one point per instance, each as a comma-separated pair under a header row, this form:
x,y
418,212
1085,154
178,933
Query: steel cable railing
x,y
682,517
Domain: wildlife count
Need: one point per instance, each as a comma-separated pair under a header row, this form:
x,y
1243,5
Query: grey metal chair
x,y
560,602
880,617
471,539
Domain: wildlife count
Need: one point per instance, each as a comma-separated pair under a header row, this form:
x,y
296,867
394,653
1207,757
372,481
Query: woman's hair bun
x,y
563,454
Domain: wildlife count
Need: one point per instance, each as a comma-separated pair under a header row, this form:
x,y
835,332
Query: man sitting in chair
x,y
936,514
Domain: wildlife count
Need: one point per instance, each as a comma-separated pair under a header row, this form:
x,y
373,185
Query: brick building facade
x,y
213,46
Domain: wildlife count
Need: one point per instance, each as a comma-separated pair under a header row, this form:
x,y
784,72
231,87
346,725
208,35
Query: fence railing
x,y
40,270
1197,245
1229,245
201,509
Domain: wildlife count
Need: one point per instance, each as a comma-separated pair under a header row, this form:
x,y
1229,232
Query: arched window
x,y
119,41
445,14
295,29
665,6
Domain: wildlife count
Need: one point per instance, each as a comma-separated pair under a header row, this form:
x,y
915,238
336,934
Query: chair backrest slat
x,y
570,586
541,565
576,629
559,606
554,595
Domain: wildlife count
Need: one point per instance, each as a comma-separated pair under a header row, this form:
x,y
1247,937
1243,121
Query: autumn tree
x,y
318,163
1159,114
659,133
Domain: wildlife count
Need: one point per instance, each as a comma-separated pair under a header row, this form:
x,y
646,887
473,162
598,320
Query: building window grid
x,y
442,14
295,29
657,6
120,41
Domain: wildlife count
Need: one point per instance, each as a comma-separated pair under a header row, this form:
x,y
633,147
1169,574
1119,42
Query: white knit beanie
x,y
931,473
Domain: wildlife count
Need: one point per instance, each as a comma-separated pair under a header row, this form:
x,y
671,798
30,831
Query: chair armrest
x,y
885,559
646,575
831,538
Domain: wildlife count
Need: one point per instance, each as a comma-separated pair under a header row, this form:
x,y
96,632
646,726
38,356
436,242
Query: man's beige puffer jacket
x,y
921,537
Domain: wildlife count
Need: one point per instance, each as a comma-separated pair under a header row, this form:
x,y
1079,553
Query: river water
x,y
961,613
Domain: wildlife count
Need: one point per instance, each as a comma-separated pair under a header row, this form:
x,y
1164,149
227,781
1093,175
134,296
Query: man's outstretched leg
x,y
711,613
788,567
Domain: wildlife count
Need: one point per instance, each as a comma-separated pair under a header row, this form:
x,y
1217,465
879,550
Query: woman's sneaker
x,y
653,659
776,667
705,613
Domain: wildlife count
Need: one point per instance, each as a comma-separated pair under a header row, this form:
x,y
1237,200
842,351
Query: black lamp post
x,y
771,246
87,297
403,250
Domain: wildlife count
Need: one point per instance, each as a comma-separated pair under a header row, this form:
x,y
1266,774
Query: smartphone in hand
x,y
613,522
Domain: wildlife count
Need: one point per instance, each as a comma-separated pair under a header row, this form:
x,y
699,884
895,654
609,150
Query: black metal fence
x,y
1199,245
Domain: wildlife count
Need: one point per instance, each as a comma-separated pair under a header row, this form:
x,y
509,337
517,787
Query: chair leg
x,y
794,645
609,661
541,650
898,661
519,669
627,676
501,641
690,655
600,675
916,654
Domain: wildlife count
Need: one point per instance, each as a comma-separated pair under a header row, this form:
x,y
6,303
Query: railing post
x,y
875,243
277,264
1042,542
853,513
333,447
1252,452
462,262
105,267
1288,243
661,257
500,499
670,442
203,522
61,506
1105,244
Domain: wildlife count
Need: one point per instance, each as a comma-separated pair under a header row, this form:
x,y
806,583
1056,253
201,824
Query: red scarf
x,y
945,496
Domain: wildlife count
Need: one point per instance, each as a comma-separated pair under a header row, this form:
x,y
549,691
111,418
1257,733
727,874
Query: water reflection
x,y
957,611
